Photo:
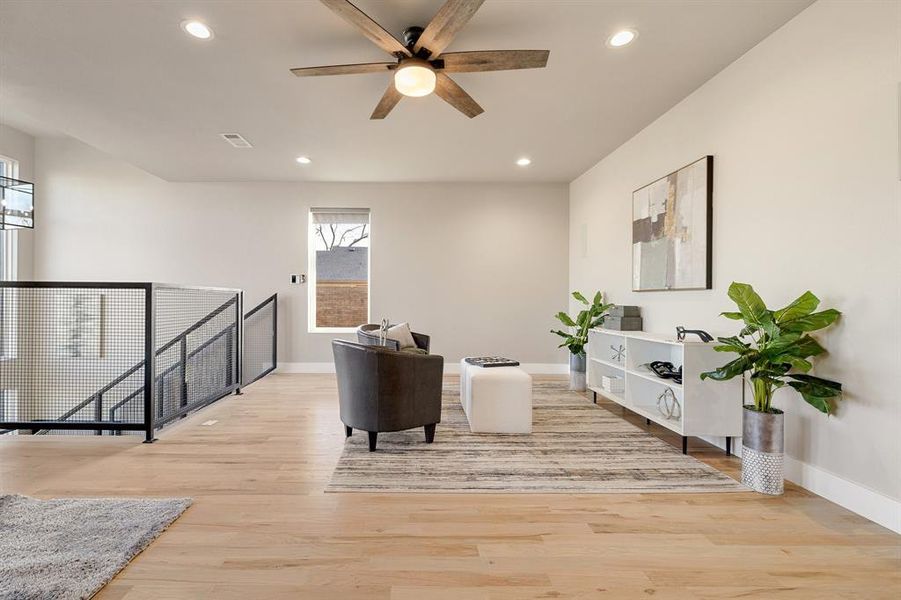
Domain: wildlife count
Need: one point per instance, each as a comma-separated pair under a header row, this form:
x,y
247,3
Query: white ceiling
x,y
123,77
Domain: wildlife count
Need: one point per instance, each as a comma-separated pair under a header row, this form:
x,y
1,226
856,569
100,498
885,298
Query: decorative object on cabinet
x,y
619,353
672,230
593,316
773,348
681,332
668,404
625,311
624,318
613,383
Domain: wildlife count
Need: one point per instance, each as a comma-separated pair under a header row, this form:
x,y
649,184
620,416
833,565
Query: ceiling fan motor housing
x,y
411,35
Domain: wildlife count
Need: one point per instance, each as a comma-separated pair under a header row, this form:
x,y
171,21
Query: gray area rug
x,y
574,447
69,548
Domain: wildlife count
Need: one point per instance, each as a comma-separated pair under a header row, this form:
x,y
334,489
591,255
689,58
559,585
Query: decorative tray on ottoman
x,y
492,361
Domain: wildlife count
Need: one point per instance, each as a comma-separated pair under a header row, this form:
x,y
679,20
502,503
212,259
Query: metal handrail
x,y
97,396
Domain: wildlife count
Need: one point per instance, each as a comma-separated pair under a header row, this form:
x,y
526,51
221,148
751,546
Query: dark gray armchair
x,y
384,390
369,335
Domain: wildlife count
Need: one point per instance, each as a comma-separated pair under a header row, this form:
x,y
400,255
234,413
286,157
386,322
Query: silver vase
x,y
762,452
577,372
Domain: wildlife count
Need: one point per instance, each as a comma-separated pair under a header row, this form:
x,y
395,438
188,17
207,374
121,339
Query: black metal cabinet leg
x,y
373,438
647,422
348,431
728,445
595,396
684,444
430,433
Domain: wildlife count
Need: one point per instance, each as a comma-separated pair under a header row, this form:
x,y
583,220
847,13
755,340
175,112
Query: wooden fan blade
x,y
380,67
448,90
494,60
449,20
372,30
389,100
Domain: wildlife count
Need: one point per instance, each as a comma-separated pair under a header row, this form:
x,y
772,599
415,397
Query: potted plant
x,y
773,348
593,316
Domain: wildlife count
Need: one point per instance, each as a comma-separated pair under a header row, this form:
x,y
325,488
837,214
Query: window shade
x,y
346,216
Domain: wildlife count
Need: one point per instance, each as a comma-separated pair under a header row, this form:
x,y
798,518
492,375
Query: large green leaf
x,y
824,405
801,364
748,330
730,369
769,325
731,344
560,333
819,381
583,316
812,322
752,308
599,321
599,299
578,296
565,319
819,395
802,306
735,316
779,344
807,346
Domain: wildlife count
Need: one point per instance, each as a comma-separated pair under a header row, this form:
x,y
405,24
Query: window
x,y
339,268
8,244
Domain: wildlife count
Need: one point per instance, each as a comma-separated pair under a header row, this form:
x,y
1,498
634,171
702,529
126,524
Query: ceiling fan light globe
x,y
415,80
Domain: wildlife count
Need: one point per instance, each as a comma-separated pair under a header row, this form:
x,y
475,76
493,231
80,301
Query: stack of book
x,y
613,384
623,318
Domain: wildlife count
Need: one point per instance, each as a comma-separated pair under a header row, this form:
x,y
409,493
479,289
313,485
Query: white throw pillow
x,y
402,335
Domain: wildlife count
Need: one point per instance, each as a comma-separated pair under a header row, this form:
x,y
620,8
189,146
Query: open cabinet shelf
x,y
704,408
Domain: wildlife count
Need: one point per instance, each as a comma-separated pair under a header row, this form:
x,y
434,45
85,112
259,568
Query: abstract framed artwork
x,y
672,230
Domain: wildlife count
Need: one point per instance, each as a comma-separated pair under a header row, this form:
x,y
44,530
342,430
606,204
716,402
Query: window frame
x,y
9,258
311,272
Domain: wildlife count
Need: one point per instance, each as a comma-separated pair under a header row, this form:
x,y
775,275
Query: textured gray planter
x,y
763,445
577,372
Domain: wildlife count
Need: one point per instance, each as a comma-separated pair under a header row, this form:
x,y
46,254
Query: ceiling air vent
x,y
236,140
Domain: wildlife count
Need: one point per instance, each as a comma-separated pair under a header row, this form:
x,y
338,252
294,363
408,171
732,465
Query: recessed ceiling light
x,y
524,161
621,38
304,160
197,29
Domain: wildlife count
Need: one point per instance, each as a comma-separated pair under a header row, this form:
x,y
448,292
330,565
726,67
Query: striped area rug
x,y
574,447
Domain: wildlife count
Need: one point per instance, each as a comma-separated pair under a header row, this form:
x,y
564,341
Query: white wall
x,y
481,268
804,129
19,146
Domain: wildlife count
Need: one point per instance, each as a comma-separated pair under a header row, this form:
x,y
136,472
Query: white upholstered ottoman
x,y
496,399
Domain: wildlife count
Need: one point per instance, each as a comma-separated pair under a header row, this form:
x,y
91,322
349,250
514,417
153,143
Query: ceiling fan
x,y
421,65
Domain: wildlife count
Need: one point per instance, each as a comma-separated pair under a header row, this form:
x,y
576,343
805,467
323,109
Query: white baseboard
x,y
450,368
306,367
859,499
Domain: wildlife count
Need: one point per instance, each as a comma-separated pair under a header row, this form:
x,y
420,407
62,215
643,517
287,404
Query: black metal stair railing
x,y
260,340
162,417
208,359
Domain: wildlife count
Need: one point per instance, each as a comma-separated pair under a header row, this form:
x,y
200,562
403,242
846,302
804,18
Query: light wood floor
x,y
261,527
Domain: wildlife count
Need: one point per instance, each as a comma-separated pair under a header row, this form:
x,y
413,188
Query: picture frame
x,y
672,230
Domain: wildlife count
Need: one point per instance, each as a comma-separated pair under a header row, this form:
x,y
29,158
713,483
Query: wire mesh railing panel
x,y
197,333
260,328
70,352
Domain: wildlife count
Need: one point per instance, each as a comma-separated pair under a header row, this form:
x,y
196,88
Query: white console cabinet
x,y
705,408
